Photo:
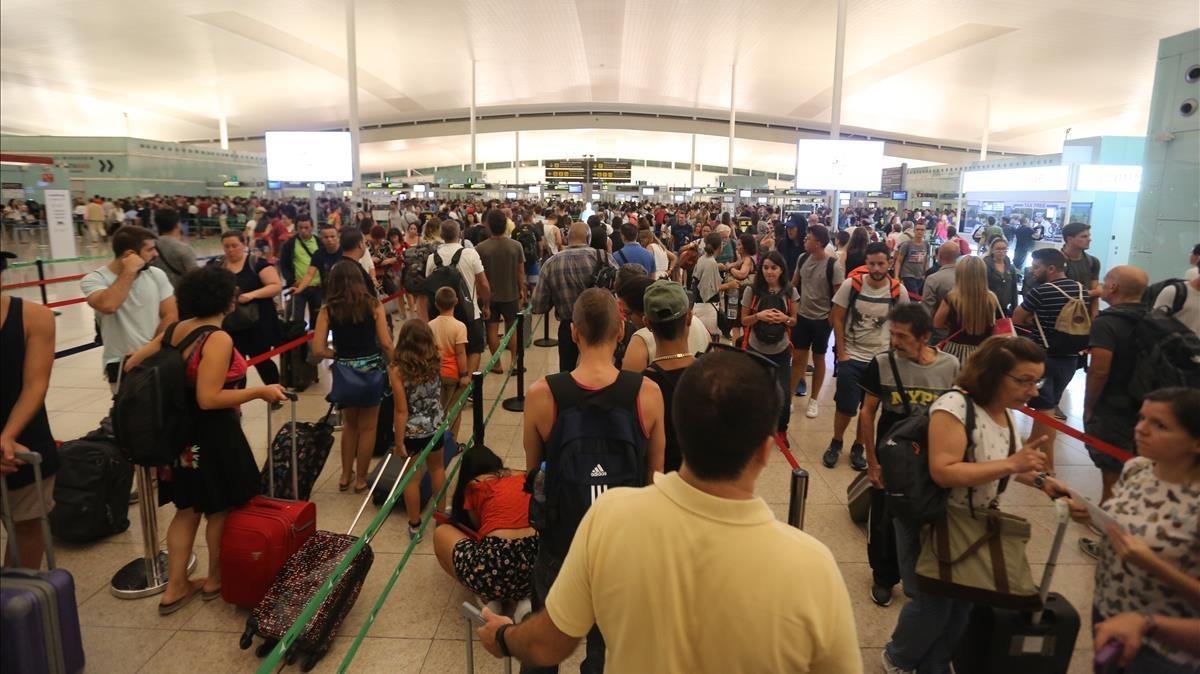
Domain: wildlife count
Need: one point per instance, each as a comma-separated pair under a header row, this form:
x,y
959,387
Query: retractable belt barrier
x,y
1095,443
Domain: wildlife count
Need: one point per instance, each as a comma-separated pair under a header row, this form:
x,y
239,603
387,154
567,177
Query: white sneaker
x,y
812,410
523,609
890,667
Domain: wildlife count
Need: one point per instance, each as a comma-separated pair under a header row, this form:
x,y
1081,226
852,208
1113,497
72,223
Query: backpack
x,y
855,278
828,272
1168,352
603,275
525,236
448,276
414,267
1075,318
904,458
770,333
91,488
596,444
152,414
1155,289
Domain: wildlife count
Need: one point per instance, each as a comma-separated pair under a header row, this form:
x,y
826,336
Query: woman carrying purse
x,y
1002,375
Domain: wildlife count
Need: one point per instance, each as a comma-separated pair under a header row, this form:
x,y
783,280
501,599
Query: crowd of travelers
x,y
685,334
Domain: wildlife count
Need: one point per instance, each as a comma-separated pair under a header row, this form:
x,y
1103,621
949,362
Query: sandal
x,y
343,486
205,595
168,609
360,489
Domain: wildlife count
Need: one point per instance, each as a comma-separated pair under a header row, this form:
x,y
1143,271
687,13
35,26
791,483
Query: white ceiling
x,y
167,69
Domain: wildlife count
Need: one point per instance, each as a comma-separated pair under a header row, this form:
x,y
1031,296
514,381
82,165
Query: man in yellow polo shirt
x,y
694,573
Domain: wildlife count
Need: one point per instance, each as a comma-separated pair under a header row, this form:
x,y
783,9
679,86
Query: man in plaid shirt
x,y
565,275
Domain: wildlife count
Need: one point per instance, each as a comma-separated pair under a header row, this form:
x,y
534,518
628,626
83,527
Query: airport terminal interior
x,y
1008,169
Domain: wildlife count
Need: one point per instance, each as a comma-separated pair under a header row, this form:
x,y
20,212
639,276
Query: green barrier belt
x,y
425,518
31,263
273,658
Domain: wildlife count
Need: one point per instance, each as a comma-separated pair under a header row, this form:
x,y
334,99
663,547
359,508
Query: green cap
x,y
665,301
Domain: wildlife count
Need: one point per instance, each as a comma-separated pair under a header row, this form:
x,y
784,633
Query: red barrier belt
x,y
1097,444
42,282
783,449
282,348
63,303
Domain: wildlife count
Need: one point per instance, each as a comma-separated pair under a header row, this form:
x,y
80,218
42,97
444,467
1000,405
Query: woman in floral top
x,y
414,377
1150,560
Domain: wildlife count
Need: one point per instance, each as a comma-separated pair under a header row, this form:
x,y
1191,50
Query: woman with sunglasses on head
x,y
1002,375
1149,563
768,315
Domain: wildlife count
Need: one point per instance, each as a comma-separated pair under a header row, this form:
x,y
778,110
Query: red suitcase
x,y
261,535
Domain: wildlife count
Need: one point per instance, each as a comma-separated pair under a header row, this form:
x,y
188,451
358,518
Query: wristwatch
x,y
1039,480
500,640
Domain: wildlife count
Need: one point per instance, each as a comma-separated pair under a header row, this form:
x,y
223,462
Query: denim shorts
x,y
1059,372
848,396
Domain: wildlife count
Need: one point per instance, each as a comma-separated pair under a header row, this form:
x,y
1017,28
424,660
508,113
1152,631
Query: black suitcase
x,y
296,369
91,488
1002,641
312,444
385,431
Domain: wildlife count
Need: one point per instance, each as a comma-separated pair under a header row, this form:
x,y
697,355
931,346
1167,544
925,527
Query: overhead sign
x,y
1029,179
309,156
575,170
893,179
1109,178
849,165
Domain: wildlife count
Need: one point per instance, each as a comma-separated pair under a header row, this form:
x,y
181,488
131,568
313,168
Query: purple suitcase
x,y
40,618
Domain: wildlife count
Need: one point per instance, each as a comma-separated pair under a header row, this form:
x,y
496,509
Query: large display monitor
x,y
849,165
309,156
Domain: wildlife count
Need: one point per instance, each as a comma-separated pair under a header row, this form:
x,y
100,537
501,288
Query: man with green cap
x,y
668,315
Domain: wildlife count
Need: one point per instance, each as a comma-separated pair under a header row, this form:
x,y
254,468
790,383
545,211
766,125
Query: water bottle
x,y
537,504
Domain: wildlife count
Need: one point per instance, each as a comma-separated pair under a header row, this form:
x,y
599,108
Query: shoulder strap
x,y
166,336
457,256
1012,449
829,273
1180,296
891,356
192,337
563,390
622,254
627,387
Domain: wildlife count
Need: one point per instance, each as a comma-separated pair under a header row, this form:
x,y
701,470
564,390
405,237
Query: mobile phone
x,y
470,612
1106,658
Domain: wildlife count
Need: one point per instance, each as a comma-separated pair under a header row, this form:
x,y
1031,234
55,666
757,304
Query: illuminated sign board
x,y
1109,178
1030,179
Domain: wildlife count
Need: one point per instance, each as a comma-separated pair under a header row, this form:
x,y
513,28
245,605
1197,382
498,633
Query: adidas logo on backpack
x,y
598,471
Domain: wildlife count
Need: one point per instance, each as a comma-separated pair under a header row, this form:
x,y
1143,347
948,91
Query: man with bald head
x,y
1109,412
940,283
565,275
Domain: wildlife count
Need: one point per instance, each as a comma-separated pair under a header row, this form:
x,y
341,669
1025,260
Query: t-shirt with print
x,y
503,258
816,294
134,323
757,344
448,333
914,258
922,383
1045,301
469,265
1165,515
866,322
424,408
993,442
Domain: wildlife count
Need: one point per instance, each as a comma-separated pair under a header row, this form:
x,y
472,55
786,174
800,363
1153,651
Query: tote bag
x,y
356,386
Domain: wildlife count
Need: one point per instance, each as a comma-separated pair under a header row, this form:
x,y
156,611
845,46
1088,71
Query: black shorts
x,y
812,333
505,310
476,340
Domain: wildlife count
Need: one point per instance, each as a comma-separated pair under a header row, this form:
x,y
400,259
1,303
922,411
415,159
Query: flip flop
x,y
209,596
168,609
343,486
362,489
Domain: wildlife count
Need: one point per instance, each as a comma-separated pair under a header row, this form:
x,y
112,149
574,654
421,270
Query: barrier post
x,y
41,272
517,402
146,575
798,498
477,407
545,339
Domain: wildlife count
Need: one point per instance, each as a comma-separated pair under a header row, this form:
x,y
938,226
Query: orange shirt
x,y
448,332
499,503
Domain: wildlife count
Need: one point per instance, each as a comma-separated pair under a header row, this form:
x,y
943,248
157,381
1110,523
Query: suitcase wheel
x,y
266,647
246,641
290,657
310,661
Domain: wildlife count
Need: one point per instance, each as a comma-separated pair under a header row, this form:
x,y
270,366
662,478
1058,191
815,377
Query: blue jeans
x,y
929,626
783,374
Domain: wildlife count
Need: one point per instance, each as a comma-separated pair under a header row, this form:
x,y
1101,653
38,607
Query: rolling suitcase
x,y
1004,641
858,499
298,455
391,472
299,580
259,538
296,370
40,629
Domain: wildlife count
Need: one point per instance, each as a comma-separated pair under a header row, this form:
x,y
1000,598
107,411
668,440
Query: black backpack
x,y
904,457
152,412
1155,289
448,276
525,236
603,275
770,333
91,488
1168,352
596,444
414,267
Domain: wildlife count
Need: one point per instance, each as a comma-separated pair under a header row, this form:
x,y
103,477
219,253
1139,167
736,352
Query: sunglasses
x,y
766,363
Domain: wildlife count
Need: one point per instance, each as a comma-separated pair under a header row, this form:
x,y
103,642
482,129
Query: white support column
x,y
987,123
732,115
796,180
472,114
692,176
352,86
517,157
223,130
839,62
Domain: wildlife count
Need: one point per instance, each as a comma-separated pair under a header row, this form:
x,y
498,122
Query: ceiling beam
x,y
1063,121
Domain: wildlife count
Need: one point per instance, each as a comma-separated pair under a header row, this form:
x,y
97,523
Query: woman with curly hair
x,y
361,341
414,374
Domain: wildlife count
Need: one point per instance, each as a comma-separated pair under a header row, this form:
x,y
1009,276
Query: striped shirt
x,y
565,275
1045,303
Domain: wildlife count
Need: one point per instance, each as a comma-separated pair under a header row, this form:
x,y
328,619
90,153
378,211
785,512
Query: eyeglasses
x,y
1026,382
766,363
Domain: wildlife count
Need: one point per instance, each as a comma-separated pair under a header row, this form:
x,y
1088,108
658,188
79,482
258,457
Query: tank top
x,y
354,340
667,380
36,434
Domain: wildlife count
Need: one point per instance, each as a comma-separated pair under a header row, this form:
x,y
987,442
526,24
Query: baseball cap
x,y
665,301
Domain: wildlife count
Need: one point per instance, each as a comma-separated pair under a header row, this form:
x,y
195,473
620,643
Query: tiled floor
x,y
419,628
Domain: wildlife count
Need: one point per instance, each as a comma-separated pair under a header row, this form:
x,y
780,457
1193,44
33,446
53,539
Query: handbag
x,y
356,386
242,318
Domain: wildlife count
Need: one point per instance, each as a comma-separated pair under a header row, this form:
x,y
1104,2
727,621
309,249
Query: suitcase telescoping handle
x,y
35,460
382,469
271,455
1062,517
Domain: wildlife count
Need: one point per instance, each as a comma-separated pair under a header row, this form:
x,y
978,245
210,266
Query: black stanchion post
x,y
545,339
517,402
477,407
41,272
797,498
